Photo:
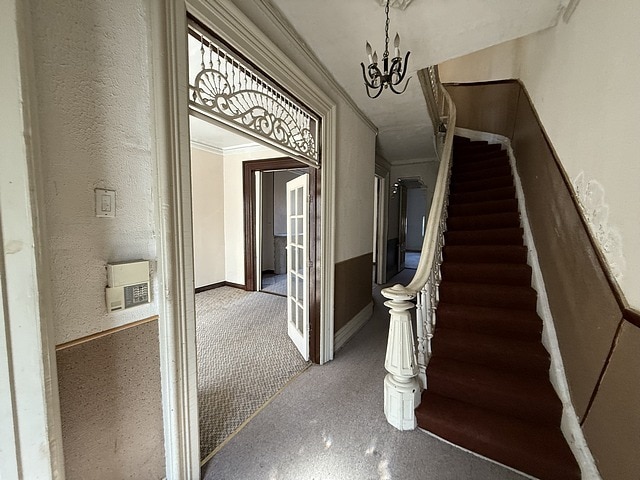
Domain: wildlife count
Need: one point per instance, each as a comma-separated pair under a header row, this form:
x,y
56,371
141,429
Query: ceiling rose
x,y
401,4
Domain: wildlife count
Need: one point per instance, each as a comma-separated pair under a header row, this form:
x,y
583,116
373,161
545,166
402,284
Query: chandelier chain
x,y
386,32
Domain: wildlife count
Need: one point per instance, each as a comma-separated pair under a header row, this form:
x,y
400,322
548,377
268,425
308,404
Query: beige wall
x,y
207,194
494,63
581,86
234,208
583,80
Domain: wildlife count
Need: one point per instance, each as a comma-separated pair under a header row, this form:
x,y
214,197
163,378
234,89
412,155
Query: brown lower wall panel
x,y
353,281
585,310
612,428
392,257
111,406
488,107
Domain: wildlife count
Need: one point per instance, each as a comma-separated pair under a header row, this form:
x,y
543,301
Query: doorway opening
x,y
229,94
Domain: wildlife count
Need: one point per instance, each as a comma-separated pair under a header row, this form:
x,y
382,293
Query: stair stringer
x,y
570,424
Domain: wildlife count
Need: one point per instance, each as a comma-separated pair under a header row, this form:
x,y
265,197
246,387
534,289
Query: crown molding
x,y
282,23
206,147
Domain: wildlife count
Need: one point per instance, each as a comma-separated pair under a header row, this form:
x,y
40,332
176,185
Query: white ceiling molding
x,y
401,4
205,147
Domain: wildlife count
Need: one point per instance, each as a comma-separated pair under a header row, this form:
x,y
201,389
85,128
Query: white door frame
x,y
175,265
31,434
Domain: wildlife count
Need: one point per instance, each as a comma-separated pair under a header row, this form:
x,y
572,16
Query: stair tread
x,y
534,449
502,193
496,352
488,295
529,397
484,221
505,322
491,273
488,163
481,185
483,208
485,253
492,236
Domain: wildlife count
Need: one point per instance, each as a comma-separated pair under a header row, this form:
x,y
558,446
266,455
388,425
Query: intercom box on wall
x,y
127,284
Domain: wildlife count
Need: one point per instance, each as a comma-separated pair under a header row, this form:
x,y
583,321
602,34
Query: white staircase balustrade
x,y
408,356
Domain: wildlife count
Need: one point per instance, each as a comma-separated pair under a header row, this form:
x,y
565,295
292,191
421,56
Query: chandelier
x,y
393,70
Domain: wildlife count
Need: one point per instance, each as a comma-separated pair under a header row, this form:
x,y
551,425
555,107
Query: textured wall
x,y
207,193
93,102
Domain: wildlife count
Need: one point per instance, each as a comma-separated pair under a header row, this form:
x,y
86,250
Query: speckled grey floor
x,y
275,283
328,423
244,358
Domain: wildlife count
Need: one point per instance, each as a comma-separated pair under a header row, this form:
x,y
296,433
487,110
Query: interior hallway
x,y
328,423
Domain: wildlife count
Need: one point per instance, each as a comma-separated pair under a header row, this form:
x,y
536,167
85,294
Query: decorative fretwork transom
x,y
224,86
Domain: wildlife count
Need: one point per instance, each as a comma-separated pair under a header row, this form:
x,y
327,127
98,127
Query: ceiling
x,y
433,30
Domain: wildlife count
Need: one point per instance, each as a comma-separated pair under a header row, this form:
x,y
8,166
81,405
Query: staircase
x,y
488,387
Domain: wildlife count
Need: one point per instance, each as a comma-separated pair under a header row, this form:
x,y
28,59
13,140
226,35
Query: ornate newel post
x,y
401,389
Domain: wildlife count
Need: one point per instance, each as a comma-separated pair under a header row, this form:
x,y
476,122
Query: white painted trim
x,y
31,439
173,212
384,175
351,328
281,22
570,424
171,149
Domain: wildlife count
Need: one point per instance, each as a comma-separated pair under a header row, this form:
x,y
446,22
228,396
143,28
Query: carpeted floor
x,y
328,423
244,357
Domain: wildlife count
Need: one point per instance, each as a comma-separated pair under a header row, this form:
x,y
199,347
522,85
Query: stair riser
x,y
519,362
486,274
496,398
483,208
501,327
484,196
483,222
495,298
480,166
483,254
481,185
511,236
466,176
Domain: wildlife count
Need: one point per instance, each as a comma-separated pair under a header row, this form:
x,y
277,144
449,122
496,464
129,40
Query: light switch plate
x,y
105,203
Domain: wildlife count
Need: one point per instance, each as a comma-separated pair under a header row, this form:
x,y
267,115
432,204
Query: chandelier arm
x,y
379,89
401,73
375,77
391,87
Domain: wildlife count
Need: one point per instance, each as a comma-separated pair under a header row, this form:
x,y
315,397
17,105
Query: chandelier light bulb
x,y
391,74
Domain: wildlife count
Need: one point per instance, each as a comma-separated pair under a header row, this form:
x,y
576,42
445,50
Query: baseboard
x,y
218,285
350,329
570,424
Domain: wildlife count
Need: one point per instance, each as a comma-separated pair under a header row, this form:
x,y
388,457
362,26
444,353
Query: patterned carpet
x,y
244,358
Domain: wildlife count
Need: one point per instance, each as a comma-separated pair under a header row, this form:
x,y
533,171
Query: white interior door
x,y
297,263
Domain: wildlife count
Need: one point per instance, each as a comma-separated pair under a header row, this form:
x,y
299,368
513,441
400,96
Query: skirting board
x,y
351,328
570,425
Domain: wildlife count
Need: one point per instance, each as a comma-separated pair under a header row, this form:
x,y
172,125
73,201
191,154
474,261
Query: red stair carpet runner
x,y
488,387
